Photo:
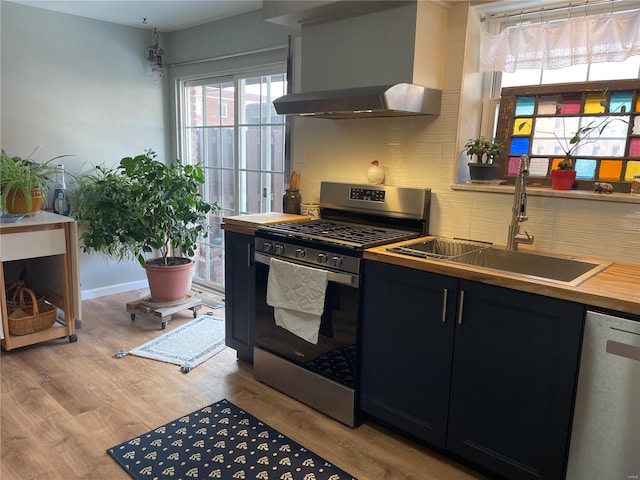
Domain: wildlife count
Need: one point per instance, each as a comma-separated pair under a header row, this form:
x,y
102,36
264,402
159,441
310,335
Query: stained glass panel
x,y
522,126
525,105
519,146
610,170
585,169
633,168
620,102
594,103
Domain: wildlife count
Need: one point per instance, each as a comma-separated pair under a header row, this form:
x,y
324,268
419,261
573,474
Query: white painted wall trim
x,y
112,289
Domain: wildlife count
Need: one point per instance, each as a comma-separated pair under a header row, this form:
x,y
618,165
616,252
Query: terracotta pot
x,y
169,283
562,179
18,205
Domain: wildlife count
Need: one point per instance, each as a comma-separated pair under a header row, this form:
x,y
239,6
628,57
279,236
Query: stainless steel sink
x,y
440,248
567,270
558,269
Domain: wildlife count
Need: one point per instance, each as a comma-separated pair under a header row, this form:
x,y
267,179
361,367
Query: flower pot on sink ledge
x,y
564,177
484,151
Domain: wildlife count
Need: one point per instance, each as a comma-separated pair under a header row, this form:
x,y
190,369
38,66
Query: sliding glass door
x,y
229,127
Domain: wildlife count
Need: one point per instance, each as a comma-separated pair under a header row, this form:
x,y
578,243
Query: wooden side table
x,y
46,247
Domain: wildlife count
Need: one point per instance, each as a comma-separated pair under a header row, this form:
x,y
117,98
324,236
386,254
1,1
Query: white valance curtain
x,y
587,39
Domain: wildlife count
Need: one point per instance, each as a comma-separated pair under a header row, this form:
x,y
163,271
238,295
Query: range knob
x,y
336,262
279,249
322,258
267,247
300,252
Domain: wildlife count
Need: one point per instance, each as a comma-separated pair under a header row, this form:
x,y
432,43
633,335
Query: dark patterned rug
x,y
220,441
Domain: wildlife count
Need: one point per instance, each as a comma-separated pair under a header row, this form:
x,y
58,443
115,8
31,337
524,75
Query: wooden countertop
x,y
247,224
615,288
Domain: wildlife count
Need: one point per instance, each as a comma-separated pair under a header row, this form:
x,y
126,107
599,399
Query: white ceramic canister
x,y
311,209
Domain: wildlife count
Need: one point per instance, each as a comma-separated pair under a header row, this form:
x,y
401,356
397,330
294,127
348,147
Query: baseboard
x,y
112,289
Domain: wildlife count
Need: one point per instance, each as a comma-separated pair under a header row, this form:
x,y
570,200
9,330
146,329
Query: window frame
x,y
507,119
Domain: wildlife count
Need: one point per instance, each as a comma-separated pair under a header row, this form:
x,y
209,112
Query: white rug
x,y
188,345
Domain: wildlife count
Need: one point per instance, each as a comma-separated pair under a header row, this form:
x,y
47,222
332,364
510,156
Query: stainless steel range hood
x,y
399,100
360,59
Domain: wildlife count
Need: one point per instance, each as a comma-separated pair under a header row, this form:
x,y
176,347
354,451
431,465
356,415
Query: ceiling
x,y
172,15
165,15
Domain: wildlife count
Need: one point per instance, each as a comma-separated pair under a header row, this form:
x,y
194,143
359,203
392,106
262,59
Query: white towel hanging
x,y
297,294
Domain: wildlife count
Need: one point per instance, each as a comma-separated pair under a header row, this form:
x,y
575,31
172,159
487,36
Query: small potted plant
x,y
484,151
24,182
564,176
143,206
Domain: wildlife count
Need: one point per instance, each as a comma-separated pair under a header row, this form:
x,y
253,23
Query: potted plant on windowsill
x,y
484,151
24,182
142,206
564,176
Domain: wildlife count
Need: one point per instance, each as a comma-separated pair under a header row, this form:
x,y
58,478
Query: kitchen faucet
x,y
519,210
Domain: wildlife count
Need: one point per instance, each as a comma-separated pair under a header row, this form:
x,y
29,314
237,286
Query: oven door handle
x,y
341,278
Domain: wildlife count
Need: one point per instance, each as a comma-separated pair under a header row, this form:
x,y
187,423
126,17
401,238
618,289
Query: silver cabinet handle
x,y
460,307
444,305
248,255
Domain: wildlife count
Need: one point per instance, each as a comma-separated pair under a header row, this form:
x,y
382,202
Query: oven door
x,y
335,354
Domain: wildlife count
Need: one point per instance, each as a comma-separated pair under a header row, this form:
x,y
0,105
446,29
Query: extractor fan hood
x,y
402,99
369,59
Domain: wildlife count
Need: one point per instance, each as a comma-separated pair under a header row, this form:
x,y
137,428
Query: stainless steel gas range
x,y
320,366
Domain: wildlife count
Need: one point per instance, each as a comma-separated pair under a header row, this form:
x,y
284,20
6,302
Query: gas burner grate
x,y
352,234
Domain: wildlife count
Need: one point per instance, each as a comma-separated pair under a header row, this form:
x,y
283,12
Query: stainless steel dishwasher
x,y
605,439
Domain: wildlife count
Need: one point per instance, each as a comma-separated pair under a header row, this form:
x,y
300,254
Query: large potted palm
x,y
143,206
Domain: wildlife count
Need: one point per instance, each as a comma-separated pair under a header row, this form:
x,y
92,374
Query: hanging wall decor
x,y
154,57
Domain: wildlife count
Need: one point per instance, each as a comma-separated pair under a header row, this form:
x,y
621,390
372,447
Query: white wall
x,y
79,86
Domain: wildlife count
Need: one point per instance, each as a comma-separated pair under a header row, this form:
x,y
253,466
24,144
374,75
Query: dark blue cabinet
x,y
240,274
485,373
407,343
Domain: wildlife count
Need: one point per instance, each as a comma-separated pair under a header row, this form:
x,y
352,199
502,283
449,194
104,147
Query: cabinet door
x,y
407,335
513,384
239,294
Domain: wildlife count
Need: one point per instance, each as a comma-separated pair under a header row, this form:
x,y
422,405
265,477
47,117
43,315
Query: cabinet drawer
x,y
31,244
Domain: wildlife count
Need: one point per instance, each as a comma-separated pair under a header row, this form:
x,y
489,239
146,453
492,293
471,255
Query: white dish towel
x,y
296,294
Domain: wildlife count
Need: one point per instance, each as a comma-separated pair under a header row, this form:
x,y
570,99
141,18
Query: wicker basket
x,y
34,318
12,292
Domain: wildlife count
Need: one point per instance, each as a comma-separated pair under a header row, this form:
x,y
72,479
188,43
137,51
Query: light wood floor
x,y
63,404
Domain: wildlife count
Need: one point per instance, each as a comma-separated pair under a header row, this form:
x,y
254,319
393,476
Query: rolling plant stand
x,y
163,311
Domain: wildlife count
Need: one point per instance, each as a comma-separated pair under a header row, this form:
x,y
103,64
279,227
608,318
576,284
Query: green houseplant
x,y
141,206
24,182
485,151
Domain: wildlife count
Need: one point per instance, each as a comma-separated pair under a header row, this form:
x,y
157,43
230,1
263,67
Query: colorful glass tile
x,y
514,166
636,125
525,105
522,126
634,147
585,169
519,146
570,104
633,168
594,103
555,162
548,105
538,167
620,102
610,170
